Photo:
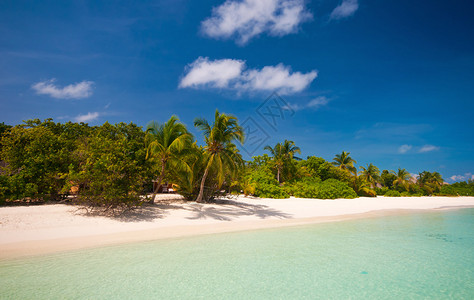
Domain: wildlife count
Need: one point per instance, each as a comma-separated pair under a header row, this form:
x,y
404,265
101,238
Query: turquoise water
x,y
428,255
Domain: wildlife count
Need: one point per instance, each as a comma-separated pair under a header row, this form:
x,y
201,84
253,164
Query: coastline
x,y
48,229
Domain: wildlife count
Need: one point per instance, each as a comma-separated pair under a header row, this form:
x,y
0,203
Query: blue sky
x,y
390,81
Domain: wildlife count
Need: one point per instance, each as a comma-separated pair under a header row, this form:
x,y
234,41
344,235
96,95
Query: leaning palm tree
x,y
165,144
221,153
402,178
282,153
362,187
371,174
345,162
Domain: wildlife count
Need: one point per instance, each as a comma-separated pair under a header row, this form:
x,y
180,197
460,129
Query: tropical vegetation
x,y
112,167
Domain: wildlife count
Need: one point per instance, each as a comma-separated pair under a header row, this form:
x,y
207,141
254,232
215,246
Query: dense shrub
x,y
381,191
315,188
111,170
392,193
264,190
319,167
303,188
463,188
35,158
332,189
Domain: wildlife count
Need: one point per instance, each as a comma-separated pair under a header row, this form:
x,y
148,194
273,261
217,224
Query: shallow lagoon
x,y
416,255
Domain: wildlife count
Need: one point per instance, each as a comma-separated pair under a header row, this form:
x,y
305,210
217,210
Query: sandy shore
x,y
36,230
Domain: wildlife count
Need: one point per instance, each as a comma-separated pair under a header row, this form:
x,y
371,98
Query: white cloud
x,y
428,148
464,177
346,9
215,73
318,102
246,19
314,104
90,116
232,74
78,90
404,149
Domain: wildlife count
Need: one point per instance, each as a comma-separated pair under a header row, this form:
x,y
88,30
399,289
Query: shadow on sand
x,y
219,209
229,209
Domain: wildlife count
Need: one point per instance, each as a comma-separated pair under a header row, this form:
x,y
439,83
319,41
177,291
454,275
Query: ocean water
x,y
411,256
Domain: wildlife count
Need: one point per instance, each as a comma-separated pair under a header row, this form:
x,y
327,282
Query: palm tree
x,y
220,150
371,174
402,177
437,179
430,181
282,153
345,162
361,186
165,144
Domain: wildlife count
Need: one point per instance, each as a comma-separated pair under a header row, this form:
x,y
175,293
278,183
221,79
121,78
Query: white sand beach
x,y
35,230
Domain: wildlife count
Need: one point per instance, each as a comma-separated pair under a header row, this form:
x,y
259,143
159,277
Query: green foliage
x,y
371,174
317,166
221,154
166,143
307,187
464,188
429,182
387,178
392,193
332,189
259,161
328,171
362,187
283,159
264,190
401,180
381,191
112,168
188,184
344,162
315,188
36,156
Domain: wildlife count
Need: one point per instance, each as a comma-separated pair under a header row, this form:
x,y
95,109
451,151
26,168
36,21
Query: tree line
x,y
112,167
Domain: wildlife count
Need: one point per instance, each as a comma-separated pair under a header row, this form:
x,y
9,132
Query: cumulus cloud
x,y
344,10
246,19
428,148
77,90
464,177
404,149
232,74
217,73
90,116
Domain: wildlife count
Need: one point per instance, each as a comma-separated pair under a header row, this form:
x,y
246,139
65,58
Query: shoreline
x,y
31,231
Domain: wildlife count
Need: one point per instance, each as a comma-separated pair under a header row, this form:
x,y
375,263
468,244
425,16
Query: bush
x,y
305,188
314,188
458,189
381,191
264,190
111,171
332,189
392,193
265,184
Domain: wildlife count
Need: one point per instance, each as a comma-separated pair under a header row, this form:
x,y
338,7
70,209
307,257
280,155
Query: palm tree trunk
x,y
201,190
278,175
158,182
